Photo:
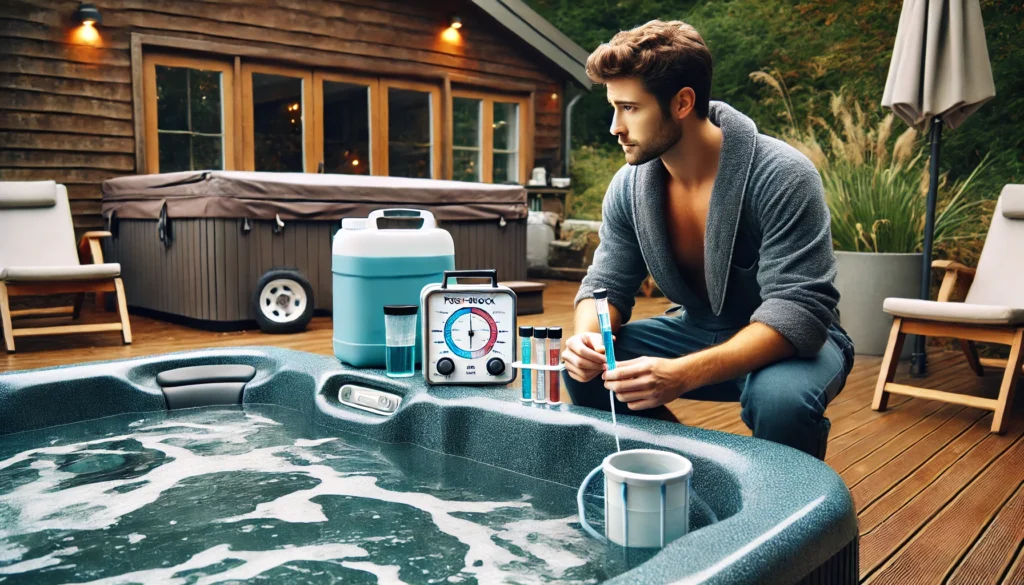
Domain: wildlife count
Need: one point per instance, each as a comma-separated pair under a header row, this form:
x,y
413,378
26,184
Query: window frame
x,y
377,166
480,132
152,139
487,146
436,122
309,162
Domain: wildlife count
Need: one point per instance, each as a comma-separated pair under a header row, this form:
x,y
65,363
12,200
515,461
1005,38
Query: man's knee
x,y
786,403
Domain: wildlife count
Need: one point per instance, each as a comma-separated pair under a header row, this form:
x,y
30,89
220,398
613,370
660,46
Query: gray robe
x,y
767,250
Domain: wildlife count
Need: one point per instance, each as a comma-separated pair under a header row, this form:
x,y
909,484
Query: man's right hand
x,y
584,356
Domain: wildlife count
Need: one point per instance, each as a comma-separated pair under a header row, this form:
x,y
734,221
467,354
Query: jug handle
x,y
579,504
428,218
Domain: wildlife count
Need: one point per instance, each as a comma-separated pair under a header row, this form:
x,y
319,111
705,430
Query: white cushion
x,y
27,194
954,312
58,273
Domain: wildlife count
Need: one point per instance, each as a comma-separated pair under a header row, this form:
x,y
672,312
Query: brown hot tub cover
x,y
304,196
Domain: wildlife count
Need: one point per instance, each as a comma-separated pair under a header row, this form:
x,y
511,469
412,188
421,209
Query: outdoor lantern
x,y
88,14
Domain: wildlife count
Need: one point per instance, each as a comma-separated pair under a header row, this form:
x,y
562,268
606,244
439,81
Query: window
x,y
487,135
189,111
206,113
346,109
505,167
467,145
412,129
277,119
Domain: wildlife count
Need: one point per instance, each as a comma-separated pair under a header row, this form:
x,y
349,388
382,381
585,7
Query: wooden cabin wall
x,y
66,108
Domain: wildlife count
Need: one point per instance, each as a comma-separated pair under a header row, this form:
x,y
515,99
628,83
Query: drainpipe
x,y
568,128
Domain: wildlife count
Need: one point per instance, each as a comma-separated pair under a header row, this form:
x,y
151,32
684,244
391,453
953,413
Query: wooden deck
x,y
939,498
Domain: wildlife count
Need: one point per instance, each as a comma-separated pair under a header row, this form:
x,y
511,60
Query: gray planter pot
x,y
864,281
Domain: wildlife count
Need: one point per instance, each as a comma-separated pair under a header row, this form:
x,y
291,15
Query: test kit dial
x,y
469,331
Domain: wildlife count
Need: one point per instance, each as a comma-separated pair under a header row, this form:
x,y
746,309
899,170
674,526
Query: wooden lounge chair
x,y
38,257
993,312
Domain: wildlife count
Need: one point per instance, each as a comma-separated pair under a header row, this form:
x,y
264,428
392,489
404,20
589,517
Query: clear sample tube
x,y
554,358
526,353
540,348
605,320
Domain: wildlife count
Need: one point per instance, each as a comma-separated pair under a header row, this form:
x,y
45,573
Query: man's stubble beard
x,y
669,135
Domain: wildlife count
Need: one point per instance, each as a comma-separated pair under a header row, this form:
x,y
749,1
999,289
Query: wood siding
x,y
210,270
67,109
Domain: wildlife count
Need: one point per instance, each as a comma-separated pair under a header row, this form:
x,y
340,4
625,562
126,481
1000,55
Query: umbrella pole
x,y
919,359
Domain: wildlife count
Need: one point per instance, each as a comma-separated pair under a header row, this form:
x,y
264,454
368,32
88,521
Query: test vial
x,y
540,348
526,353
554,358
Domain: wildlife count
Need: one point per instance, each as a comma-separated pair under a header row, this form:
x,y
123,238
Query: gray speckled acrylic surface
x,y
781,514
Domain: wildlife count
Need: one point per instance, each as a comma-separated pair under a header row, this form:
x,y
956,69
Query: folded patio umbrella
x,y
939,75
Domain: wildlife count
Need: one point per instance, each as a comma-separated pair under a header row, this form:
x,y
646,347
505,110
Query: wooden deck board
x,y
992,554
937,548
938,496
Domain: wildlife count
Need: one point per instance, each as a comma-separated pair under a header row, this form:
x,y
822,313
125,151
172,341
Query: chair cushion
x,y
1013,201
58,273
27,194
954,312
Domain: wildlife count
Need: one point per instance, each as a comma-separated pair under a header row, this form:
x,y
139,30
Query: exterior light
x,y
554,96
355,163
88,14
456,22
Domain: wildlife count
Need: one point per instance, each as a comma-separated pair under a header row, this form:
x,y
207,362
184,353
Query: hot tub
x,y
193,245
284,466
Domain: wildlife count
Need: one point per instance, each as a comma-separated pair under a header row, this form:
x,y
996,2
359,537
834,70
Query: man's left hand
x,y
647,382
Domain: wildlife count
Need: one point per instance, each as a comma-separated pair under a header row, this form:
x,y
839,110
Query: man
x,y
732,225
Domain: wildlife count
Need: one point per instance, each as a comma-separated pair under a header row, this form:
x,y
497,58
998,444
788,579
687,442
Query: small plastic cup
x,y
400,339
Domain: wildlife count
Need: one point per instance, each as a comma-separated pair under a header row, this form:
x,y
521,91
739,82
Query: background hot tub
x,y
192,245
775,515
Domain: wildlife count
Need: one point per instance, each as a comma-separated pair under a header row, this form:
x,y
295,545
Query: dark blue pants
x,y
783,402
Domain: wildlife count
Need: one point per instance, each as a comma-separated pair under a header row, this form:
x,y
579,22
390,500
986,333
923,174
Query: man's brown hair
x,y
666,56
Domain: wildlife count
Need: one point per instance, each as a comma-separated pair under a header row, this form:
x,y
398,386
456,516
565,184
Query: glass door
x,y
411,124
277,119
347,114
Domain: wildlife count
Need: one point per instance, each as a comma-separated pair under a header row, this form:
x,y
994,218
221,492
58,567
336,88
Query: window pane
x,y
171,98
506,126
174,152
346,128
466,165
206,153
277,122
189,102
409,134
468,114
505,168
204,97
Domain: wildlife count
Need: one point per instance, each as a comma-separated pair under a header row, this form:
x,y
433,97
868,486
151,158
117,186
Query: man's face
x,y
643,129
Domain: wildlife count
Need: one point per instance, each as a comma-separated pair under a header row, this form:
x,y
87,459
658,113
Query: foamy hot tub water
x,y
109,474
216,494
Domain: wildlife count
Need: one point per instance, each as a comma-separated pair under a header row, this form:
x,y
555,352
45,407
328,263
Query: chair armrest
x,y
89,250
952,265
954,272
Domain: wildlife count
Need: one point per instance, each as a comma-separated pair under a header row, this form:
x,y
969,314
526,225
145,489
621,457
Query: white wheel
x,y
283,300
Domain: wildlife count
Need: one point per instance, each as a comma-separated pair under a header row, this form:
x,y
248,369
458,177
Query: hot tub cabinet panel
x,y
193,245
780,516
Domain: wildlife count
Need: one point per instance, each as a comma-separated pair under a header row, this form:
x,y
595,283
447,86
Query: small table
x,y
544,198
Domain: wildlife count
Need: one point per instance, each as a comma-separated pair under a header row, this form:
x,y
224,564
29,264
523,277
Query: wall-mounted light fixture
x,y
88,14
451,34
